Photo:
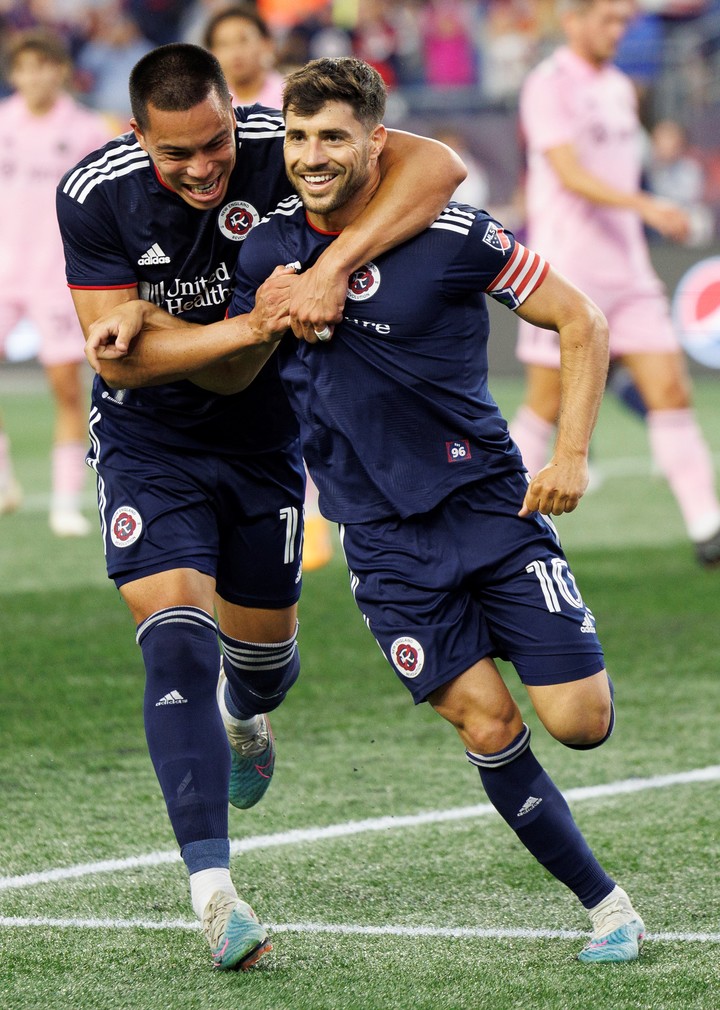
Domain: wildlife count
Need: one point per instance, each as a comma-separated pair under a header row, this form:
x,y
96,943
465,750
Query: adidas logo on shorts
x,y
588,625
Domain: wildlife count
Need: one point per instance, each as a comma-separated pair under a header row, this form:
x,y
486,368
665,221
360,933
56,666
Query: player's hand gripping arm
x,y
418,177
134,343
665,217
583,330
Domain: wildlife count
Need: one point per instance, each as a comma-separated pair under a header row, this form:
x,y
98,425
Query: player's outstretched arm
x,y
667,218
418,177
135,343
558,304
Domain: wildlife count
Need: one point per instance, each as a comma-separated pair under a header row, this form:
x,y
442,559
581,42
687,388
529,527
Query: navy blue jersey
x,y
395,411
121,227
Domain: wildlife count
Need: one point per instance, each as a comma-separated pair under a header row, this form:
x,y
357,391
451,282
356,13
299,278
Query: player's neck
x,y
40,107
587,56
246,91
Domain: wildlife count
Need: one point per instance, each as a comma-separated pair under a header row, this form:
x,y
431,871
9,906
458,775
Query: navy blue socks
x,y
530,802
184,731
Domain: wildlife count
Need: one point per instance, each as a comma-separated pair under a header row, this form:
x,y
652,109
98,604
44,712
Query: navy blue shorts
x,y
470,579
237,519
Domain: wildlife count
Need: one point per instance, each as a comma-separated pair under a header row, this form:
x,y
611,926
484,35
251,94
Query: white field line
x,y
300,836
346,929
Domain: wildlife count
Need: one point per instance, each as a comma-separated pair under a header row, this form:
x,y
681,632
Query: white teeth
x,y
318,178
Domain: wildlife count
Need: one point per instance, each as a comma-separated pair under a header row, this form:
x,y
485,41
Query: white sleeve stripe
x,y
533,280
506,274
522,274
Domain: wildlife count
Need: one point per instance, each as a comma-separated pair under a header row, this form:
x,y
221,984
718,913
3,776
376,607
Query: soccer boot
x,y
707,552
237,938
69,523
252,755
618,931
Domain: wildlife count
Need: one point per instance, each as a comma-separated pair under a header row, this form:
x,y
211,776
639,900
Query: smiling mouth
x,y
318,181
205,189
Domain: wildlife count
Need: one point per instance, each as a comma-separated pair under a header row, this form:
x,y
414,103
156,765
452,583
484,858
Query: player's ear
x,y
138,134
377,140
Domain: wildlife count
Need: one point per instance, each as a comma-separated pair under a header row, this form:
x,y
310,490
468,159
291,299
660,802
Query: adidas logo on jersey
x,y
588,625
530,803
153,257
171,698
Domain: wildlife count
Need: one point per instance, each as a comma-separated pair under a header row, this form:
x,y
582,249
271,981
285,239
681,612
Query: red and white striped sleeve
x,y
521,275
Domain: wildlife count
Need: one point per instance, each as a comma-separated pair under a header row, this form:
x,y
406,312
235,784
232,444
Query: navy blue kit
x,y
188,478
413,458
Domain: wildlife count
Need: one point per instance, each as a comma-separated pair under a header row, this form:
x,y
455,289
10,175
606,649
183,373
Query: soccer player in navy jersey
x,y
452,556
201,494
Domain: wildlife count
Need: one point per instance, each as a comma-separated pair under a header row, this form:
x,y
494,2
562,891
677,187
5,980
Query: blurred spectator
x,y
673,172
242,42
43,133
375,39
114,46
315,35
508,48
449,41
159,21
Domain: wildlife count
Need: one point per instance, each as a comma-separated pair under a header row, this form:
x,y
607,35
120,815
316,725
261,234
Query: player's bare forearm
x,y
418,177
583,332
234,374
666,217
162,348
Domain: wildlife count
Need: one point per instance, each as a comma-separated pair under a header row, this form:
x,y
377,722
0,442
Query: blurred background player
x,y
586,212
241,40
245,49
43,132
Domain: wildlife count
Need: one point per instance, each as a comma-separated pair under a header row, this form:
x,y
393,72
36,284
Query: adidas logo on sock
x,y
588,624
530,803
172,698
153,256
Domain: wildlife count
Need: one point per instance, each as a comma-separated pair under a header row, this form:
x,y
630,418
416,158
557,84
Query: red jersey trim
x,y
101,287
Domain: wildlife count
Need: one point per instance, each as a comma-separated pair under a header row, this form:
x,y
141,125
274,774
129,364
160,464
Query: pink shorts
x,y
61,338
639,324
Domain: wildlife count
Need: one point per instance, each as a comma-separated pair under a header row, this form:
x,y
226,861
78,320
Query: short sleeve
x,y
95,254
546,112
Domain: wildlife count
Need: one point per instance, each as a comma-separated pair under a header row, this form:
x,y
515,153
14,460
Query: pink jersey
x,y
566,100
36,153
270,94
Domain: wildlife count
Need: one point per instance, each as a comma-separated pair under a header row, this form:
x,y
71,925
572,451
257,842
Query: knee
x,y
483,731
590,728
259,674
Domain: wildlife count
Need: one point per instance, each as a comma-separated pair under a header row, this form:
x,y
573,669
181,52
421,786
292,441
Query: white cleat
x,y
69,523
618,931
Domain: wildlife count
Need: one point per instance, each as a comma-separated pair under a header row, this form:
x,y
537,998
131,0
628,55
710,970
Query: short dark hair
x,y
41,42
174,78
345,79
244,11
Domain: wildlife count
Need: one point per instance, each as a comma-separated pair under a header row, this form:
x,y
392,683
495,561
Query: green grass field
x,y
387,882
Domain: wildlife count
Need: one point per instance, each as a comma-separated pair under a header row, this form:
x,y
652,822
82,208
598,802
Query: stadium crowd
x,y
486,46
